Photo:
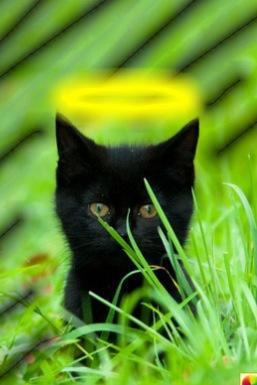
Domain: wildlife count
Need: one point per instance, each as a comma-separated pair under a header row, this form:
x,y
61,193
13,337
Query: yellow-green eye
x,y
147,211
99,209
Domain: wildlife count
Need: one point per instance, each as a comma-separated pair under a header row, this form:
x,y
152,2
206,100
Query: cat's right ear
x,y
74,149
68,138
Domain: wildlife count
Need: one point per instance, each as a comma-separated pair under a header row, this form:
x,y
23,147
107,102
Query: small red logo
x,y
248,379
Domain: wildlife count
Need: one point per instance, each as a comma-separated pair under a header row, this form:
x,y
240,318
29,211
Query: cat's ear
x,y
74,149
180,149
69,140
182,146
186,140
173,159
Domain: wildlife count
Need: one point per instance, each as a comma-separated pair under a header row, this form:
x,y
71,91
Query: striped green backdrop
x,y
213,41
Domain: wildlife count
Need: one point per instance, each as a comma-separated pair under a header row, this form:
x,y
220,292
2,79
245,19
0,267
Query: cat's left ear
x,y
182,146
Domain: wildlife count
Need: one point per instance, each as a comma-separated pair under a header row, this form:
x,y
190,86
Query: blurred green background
x,y
42,42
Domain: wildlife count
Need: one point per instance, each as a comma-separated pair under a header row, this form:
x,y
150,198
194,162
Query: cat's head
x,y
96,180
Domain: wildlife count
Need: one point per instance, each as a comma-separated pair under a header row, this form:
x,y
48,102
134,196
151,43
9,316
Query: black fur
x,y
88,173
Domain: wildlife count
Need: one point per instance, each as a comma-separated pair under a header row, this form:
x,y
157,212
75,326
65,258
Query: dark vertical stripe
x,y
11,226
20,142
236,138
224,91
184,65
162,29
55,37
30,350
21,300
24,16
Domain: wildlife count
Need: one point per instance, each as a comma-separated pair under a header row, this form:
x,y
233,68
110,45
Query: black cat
x,y
94,180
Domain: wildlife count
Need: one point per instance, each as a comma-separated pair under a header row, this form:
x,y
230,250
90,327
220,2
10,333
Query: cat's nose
x,y
122,230
122,233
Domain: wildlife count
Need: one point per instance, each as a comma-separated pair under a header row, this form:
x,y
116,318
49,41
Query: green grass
x,y
217,343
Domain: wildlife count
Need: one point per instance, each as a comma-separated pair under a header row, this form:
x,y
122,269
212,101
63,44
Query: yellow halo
x,y
130,95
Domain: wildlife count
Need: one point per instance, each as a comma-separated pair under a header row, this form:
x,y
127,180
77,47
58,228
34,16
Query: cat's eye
x,y
147,211
99,209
